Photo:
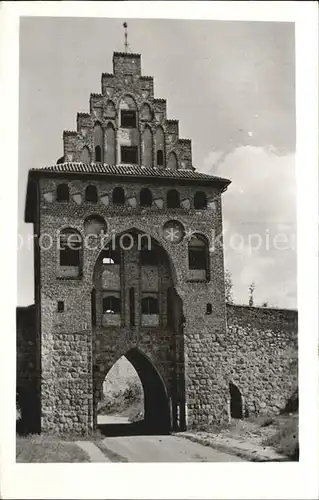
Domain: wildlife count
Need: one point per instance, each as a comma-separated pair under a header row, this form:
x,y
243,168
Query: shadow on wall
x,y
28,409
27,390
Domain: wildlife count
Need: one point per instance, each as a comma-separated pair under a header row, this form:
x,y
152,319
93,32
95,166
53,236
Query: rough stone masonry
x,y
126,264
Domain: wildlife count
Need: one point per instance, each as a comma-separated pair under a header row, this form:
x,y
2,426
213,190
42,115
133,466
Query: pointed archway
x,y
236,403
156,404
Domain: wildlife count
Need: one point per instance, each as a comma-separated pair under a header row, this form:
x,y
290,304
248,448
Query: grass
x,y
36,448
114,457
279,432
285,440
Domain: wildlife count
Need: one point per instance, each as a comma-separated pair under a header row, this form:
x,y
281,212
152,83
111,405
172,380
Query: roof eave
x,y
218,181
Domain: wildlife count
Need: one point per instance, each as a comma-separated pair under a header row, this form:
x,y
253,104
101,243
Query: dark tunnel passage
x,y
156,404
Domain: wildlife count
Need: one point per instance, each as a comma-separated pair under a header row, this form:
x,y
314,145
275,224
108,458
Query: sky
x,y
231,85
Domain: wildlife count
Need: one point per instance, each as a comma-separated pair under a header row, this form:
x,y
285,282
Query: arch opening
x,y
94,224
236,402
62,192
70,252
133,398
85,155
173,199
198,257
200,200
110,146
172,161
91,194
98,142
118,196
160,146
146,197
147,147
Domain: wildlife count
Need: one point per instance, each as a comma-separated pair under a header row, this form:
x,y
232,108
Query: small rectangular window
x,y
128,118
60,306
129,154
209,308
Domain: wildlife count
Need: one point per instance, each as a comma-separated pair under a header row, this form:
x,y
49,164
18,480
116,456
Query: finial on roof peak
x,y
126,45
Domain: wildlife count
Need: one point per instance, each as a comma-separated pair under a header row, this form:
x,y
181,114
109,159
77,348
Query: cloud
x,y
259,212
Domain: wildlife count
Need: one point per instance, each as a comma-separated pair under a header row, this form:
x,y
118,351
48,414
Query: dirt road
x,y
163,449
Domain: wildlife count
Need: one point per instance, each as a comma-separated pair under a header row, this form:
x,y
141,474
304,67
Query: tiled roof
x,y
128,171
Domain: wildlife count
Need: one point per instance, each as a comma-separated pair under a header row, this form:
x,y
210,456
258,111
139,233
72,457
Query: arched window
x,y
172,161
146,113
146,198
118,196
147,147
70,248
198,252
85,155
91,194
128,112
62,192
149,305
111,305
159,146
236,404
98,142
98,154
110,110
173,199
132,307
200,200
110,145
94,224
111,256
160,158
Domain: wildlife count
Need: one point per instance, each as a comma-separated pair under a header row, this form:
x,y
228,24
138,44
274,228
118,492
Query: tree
x,y
251,294
228,287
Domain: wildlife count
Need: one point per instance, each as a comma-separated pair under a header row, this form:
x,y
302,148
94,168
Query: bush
x,y
285,441
117,402
133,393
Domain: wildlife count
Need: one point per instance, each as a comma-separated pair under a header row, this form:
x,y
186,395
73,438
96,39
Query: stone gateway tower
x,y
126,263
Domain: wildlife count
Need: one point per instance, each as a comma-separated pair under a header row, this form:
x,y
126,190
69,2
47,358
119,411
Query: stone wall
x,y
262,356
258,354
61,387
